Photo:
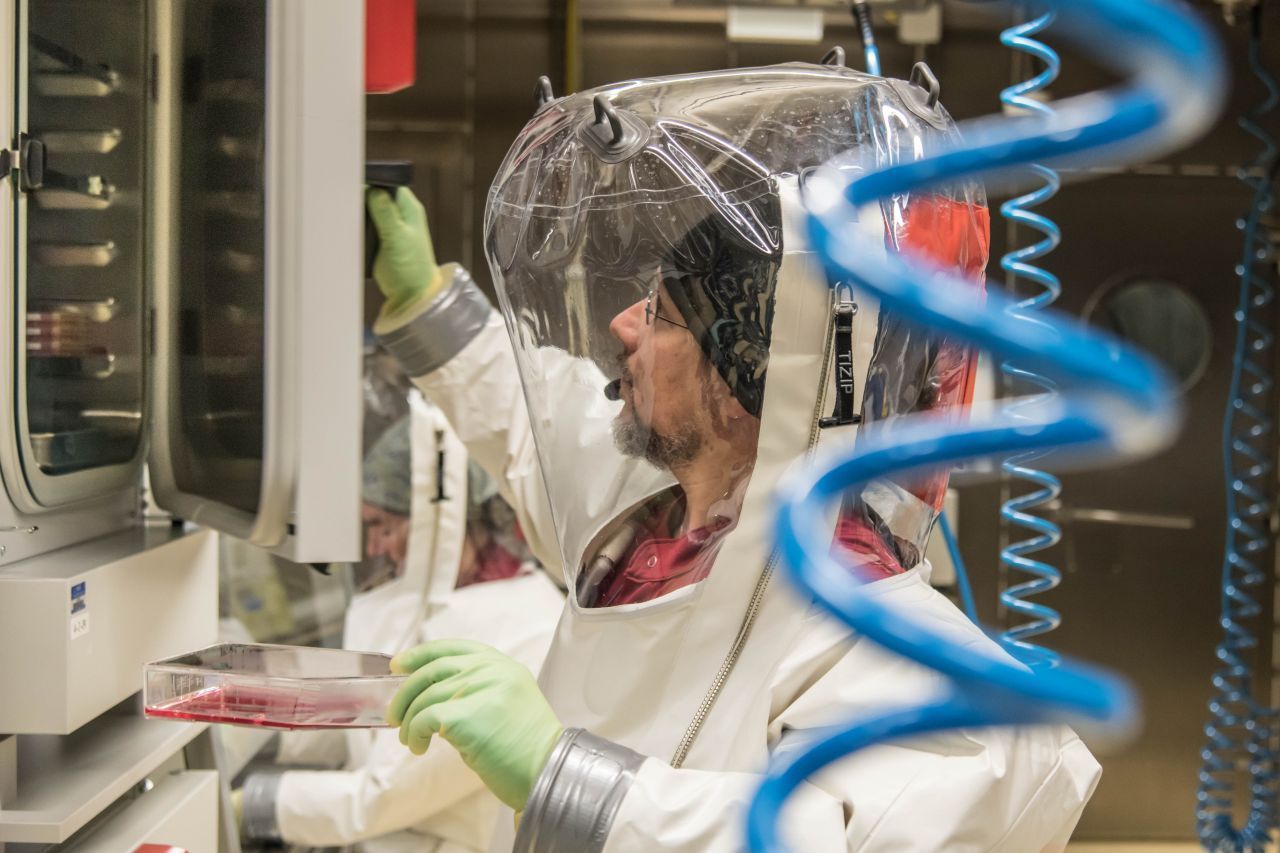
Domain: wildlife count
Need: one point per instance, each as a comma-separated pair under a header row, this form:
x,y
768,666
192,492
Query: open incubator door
x,y
186,199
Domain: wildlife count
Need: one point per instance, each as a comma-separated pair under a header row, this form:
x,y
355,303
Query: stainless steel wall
x,y
1138,597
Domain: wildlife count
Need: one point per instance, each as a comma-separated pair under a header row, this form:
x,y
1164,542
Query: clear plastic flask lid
x,y
284,687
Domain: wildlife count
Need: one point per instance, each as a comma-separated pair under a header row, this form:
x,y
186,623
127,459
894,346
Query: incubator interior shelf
x,y
243,205
236,91
96,436
74,192
69,84
238,146
75,254
81,141
60,72
241,263
95,310
99,366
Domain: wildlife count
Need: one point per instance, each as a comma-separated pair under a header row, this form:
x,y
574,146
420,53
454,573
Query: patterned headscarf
x,y
723,288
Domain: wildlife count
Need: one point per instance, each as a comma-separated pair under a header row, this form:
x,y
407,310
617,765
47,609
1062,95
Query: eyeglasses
x,y
651,309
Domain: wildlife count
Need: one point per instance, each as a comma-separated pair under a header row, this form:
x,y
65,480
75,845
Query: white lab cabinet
x,y
178,811
79,623
70,787
180,255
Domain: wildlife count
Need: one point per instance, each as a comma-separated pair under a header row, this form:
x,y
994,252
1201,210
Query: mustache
x,y
623,368
613,391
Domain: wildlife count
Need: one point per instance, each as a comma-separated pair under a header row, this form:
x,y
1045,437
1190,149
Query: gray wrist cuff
x,y
440,332
577,795
258,820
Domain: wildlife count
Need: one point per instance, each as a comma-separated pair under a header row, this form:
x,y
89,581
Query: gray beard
x,y
661,451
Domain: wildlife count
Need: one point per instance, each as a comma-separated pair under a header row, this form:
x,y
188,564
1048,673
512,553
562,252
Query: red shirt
x,y
492,563
864,550
657,565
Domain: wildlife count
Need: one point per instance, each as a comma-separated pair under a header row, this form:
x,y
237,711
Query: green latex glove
x,y
405,267
485,704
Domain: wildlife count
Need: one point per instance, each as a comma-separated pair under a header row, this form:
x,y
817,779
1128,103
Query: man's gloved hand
x,y
405,267
485,704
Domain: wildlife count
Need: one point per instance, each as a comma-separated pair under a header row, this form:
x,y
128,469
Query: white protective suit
x,y
670,720
386,799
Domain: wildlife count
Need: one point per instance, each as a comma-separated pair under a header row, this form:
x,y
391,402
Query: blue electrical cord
x,y
1036,618
862,14
1241,729
1117,402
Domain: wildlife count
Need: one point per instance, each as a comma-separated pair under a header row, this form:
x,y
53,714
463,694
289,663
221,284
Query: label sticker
x,y
78,605
80,624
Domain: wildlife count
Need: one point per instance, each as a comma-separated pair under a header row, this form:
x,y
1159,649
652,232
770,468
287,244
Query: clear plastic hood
x,y
636,237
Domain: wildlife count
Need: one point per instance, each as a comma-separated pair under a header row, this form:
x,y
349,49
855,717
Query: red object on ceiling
x,y
390,43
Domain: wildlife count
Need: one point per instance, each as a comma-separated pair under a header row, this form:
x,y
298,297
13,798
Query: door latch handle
x,y
31,157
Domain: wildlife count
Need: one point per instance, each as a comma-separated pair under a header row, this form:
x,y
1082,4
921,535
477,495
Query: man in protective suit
x,y
647,241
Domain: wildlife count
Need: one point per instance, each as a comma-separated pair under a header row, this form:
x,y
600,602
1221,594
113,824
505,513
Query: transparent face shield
x,y
386,505
883,529
493,546
635,237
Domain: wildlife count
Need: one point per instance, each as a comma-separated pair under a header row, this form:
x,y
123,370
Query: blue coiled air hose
x,y
1034,618
1113,401
1241,728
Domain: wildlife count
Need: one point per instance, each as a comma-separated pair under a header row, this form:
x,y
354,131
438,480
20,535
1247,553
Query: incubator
x,y
163,216
177,183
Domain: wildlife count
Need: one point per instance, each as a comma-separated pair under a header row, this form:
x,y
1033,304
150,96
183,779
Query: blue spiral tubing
x,y
1037,618
1241,730
1117,403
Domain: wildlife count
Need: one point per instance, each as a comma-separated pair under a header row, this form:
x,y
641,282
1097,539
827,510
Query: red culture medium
x,y
271,707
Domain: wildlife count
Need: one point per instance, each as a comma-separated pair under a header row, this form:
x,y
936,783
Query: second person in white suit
x,y
453,568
